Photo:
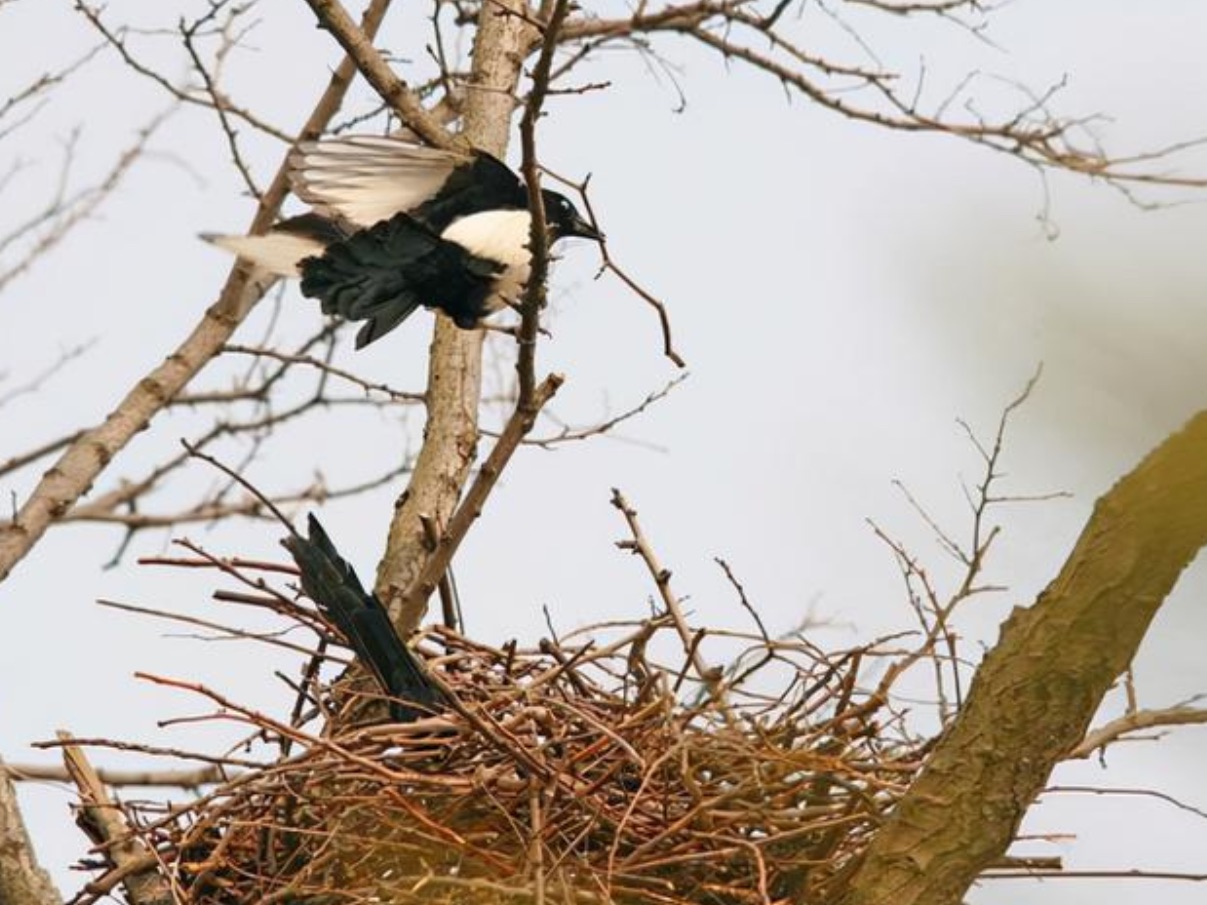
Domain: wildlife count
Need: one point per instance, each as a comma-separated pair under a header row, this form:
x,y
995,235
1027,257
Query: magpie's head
x,y
564,219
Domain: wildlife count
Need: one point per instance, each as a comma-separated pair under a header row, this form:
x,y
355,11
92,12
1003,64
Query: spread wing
x,y
364,179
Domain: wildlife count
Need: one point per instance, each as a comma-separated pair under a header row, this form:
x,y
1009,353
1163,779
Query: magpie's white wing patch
x,y
277,252
500,236
365,179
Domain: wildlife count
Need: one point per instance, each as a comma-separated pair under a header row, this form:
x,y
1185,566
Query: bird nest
x,y
609,766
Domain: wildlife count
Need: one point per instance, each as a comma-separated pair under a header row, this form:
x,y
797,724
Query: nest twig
x,y
571,772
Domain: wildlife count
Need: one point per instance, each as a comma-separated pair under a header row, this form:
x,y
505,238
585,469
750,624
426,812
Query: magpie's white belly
x,y
498,236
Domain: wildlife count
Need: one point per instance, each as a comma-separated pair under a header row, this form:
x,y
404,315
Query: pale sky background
x,y
842,296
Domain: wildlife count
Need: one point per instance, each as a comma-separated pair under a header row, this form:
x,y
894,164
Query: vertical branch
x,y
412,602
536,845
711,676
455,363
85,458
534,294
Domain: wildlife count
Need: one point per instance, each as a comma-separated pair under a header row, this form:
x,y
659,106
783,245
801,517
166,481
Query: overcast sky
x,y
842,297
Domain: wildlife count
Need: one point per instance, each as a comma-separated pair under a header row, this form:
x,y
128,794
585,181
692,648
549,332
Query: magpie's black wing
x,y
383,273
364,179
331,583
486,184
314,226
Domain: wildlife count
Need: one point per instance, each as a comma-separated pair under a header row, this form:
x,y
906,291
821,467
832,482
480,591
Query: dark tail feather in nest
x,y
331,583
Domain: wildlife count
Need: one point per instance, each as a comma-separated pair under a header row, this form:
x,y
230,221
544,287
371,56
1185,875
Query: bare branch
x,y
1136,721
534,292
712,677
83,461
63,213
179,779
1032,134
414,601
610,265
1037,690
393,90
455,361
35,383
568,434
118,41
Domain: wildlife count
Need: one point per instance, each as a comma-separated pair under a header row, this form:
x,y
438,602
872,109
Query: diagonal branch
x,y
83,461
358,44
434,568
1038,689
22,881
711,676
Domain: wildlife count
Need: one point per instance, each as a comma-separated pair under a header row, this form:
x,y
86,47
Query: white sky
x,y
842,295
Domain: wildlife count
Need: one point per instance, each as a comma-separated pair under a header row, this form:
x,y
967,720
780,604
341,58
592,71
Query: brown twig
x,y
82,462
568,434
610,265
118,41
449,610
737,32
414,600
712,677
64,212
538,241
377,72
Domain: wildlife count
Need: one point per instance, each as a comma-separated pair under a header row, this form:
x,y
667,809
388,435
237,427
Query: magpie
x,y
395,225
361,618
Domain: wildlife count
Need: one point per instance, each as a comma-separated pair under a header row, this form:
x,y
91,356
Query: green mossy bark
x,y
1037,690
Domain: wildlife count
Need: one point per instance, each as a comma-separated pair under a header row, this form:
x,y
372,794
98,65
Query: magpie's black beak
x,y
583,230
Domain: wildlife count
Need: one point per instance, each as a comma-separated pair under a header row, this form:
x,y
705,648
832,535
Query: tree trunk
x,y
450,437
22,881
1037,690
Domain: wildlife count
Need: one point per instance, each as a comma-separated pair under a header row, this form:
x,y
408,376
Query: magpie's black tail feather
x,y
331,583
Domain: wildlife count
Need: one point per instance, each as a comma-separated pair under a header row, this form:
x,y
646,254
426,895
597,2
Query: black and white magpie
x,y
397,225
361,618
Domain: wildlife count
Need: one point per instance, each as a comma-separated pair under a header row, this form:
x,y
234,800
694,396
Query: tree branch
x,y
83,461
358,44
177,779
415,599
455,362
22,881
1038,689
712,677
1135,722
538,242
